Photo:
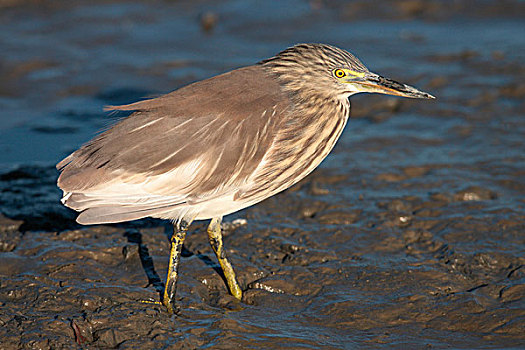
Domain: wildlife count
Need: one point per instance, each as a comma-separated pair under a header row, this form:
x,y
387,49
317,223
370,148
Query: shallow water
x,y
410,235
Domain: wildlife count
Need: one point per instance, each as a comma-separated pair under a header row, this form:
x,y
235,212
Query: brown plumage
x,y
222,144
213,131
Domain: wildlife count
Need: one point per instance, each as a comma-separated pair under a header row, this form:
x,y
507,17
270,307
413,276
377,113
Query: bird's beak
x,y
372,82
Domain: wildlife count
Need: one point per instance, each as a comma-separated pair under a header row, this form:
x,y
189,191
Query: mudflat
x,y
410,235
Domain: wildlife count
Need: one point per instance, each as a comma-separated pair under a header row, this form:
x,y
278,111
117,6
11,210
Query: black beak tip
x,y
428,96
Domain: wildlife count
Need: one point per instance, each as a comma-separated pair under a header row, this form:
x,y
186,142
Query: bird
x,y
216,146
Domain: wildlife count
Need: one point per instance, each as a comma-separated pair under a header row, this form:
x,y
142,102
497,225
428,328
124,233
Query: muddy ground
x,y
410,235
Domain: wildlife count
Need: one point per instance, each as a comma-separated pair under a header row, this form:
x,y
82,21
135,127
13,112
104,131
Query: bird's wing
x,y
201,141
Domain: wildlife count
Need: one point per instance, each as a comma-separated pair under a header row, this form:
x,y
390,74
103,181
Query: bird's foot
x,y
171,308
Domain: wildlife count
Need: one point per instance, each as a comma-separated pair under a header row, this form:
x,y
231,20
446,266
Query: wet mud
x,y
410,235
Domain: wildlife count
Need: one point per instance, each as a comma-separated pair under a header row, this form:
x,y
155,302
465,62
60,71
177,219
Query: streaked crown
x,y
312,67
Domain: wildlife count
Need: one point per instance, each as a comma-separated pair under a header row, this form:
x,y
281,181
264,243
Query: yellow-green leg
x,y
215,237
177,240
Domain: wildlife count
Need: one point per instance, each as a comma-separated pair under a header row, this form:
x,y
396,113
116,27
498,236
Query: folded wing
x,y
197,143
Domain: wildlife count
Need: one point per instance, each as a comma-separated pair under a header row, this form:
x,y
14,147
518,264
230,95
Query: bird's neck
x,y
318,106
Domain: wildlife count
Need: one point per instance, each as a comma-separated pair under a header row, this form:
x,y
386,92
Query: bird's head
x,y
328,70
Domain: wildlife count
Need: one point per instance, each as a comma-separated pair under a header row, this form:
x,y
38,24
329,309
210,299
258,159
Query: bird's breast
x,y
305,139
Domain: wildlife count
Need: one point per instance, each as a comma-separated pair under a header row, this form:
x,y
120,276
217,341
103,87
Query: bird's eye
x,y
339,73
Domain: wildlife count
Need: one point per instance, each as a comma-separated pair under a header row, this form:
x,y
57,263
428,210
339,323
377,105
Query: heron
x,y
219,145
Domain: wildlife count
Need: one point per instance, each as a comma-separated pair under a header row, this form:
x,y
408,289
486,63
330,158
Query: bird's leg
x,y
177,239
215,237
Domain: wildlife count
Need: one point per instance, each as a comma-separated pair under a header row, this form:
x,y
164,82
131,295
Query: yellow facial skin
x,y
344,75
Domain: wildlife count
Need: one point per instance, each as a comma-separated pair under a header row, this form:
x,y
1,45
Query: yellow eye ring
x,y
339,73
